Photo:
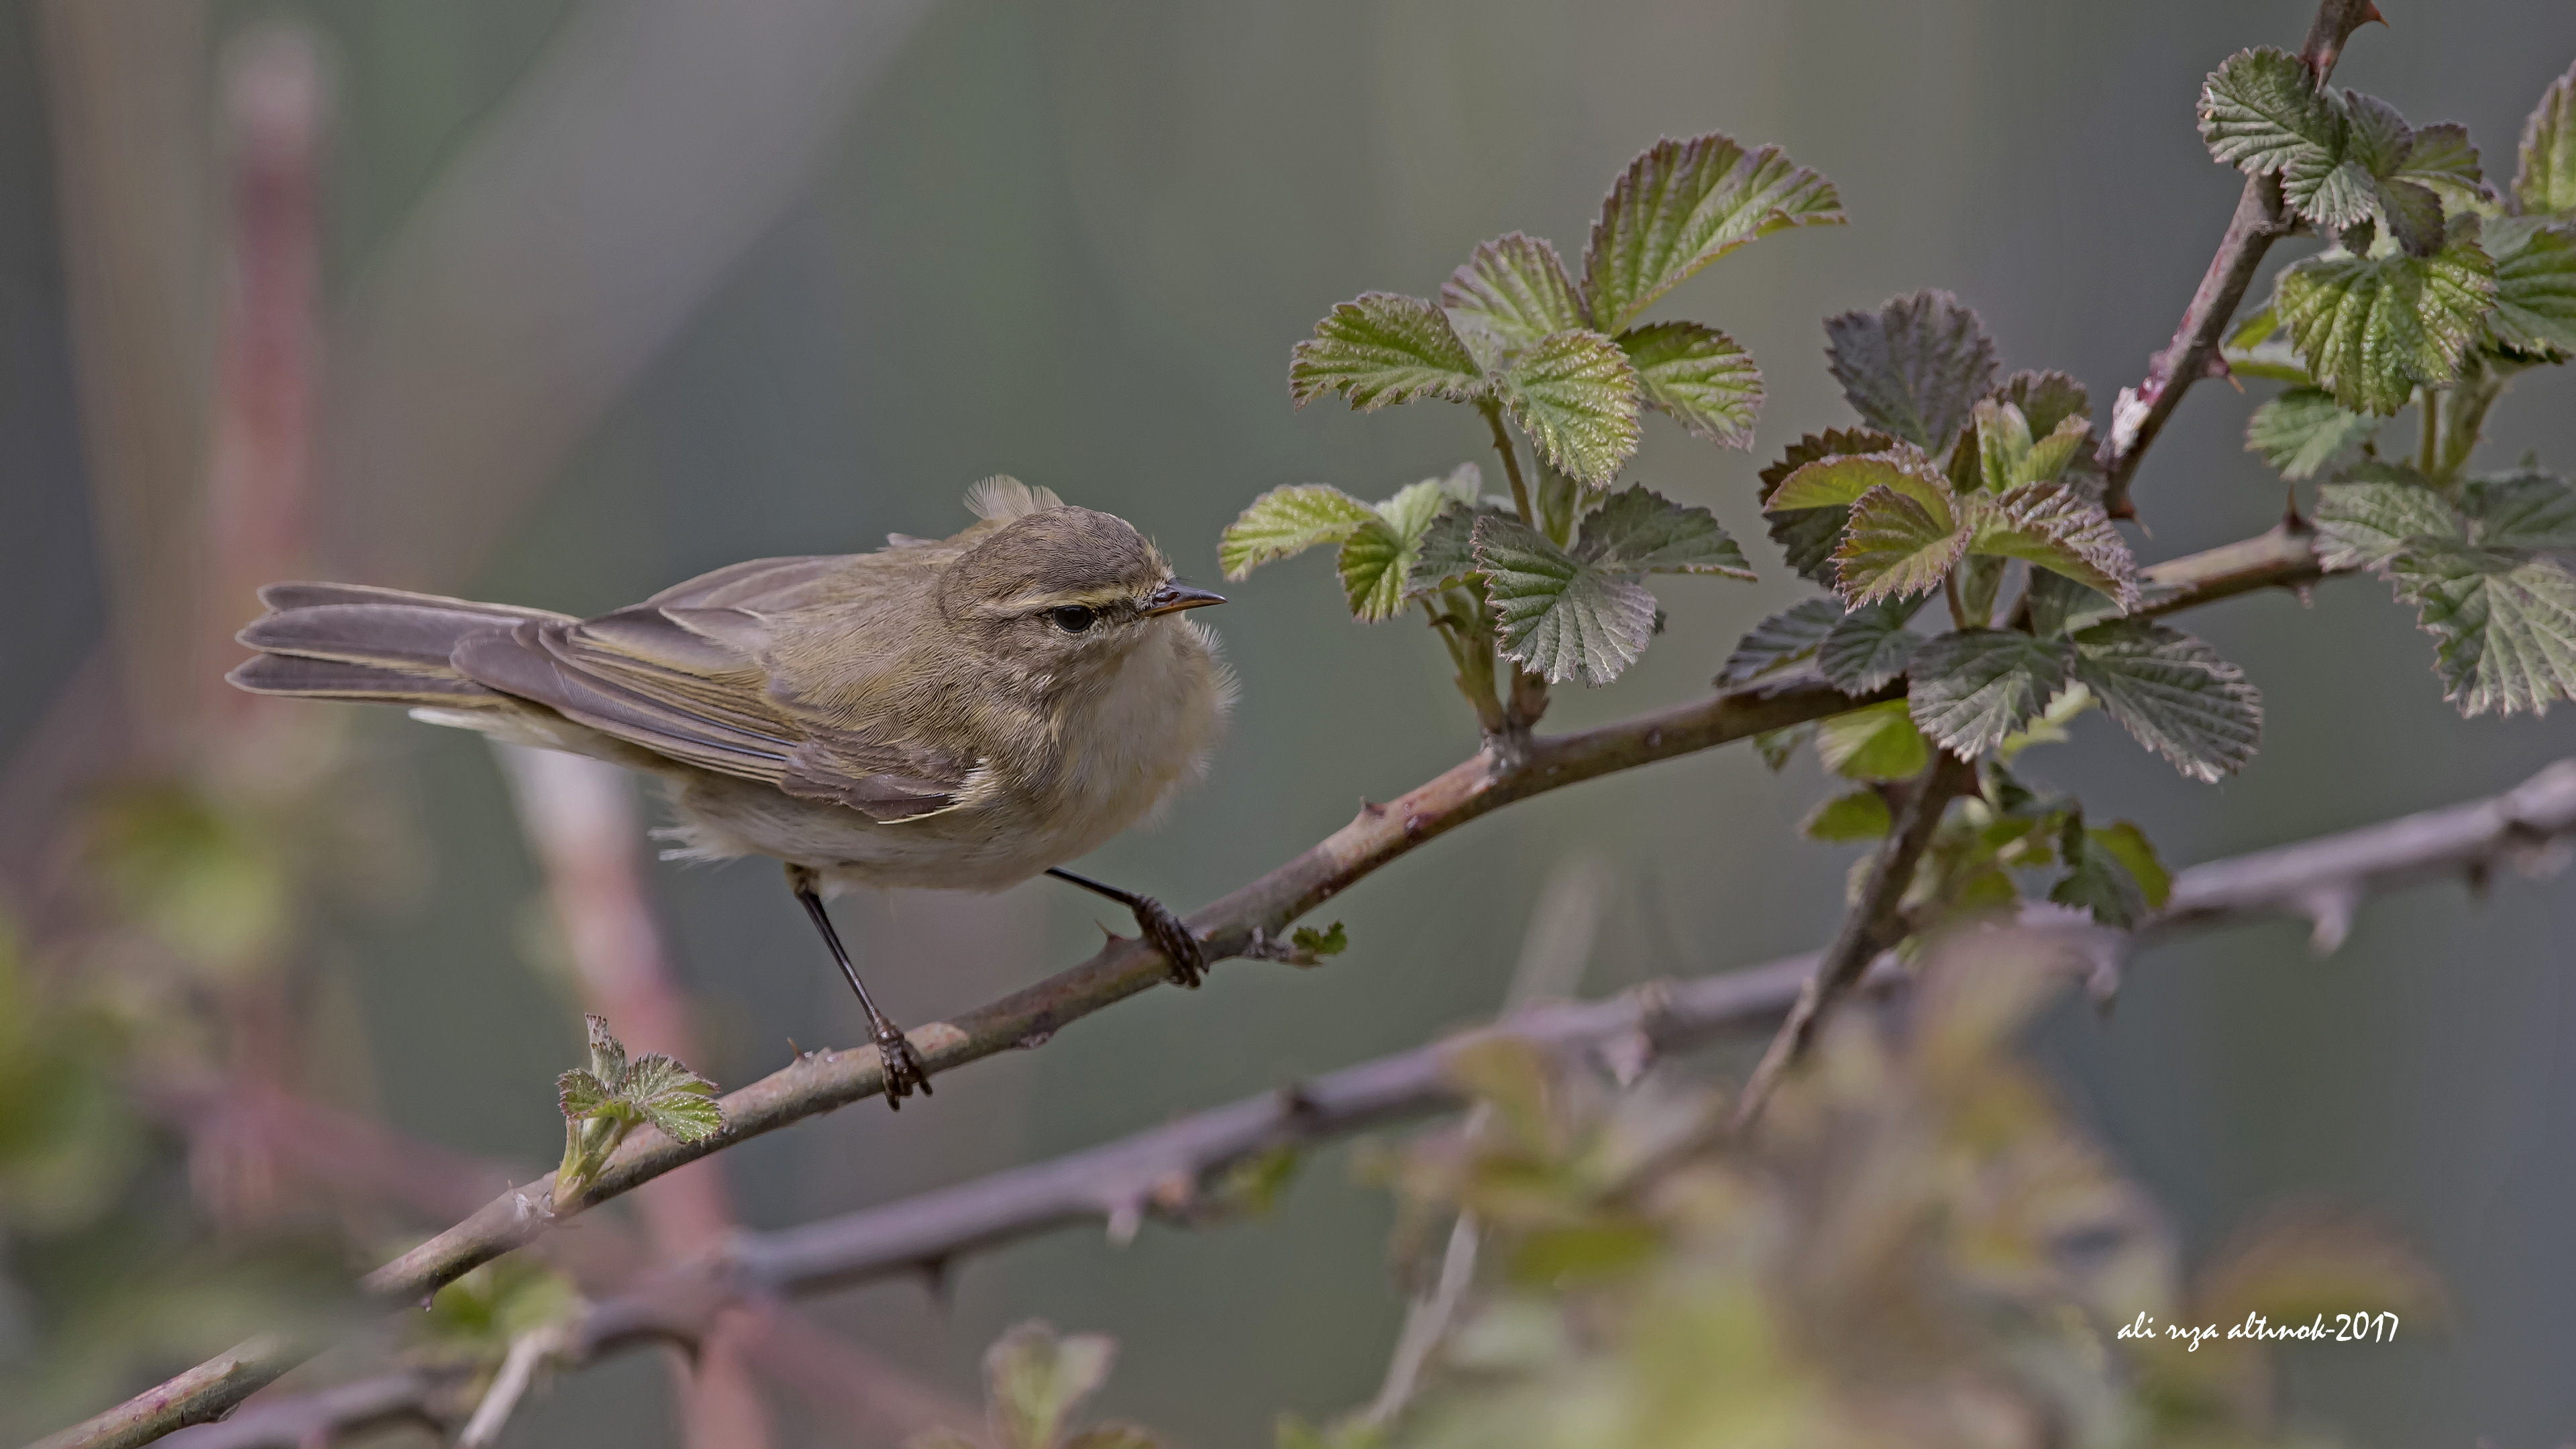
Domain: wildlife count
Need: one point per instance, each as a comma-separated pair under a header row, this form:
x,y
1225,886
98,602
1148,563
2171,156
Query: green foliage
x,y
1510,294
474,1320
1915,368
2173,693
1859,815
1874,742
1380,348
1569,368
1868,647
2112,873
1382,543
1788,637
1285,522
1699,376
603,1102
2501,610
1684,204
1973,688
2058,529
2304,429
2547,181
1333,940
1574,395
2343,158
1580,612
1654,1279
1034,1381
2535,278
2372,327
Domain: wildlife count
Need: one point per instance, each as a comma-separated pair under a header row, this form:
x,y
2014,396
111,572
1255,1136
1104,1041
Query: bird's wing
x,y
690,682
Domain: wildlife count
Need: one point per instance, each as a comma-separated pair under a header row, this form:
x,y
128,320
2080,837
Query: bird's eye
x,y
1072,618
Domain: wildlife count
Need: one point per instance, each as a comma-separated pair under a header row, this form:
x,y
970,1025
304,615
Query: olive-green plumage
x,y
961,713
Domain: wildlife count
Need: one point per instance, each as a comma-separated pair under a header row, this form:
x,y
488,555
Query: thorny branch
x,y
2261,219
1246,923
1872,925
1164,1172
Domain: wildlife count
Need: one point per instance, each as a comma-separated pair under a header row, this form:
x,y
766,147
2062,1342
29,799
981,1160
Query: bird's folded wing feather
x,y
691,682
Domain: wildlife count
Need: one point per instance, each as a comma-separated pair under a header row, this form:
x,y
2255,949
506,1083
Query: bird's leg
x,y
1165,930
903,1069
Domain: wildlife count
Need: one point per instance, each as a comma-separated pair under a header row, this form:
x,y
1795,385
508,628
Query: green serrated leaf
x,y
1874,742
1381,348
2053,527
1860,815
2003,442
2358,180
2060,605
2504,623
2526,508
2129,845
2364,523
1841,479
2443,160
1036,1380
1683,204
1333,940
1807,536
1974,687
2535,276
2303,430
2054,453
1511,293
1285,522
1557,614
2371,328
1447,554
1380,559
1575,395
1641,531
2174,694
2098,880
582,1095
2261,113
2050,727
1699,376
1780,641
1898,544
2547,182
1868,647
1915,368
607,1054
671,1097
2047,399
2259,348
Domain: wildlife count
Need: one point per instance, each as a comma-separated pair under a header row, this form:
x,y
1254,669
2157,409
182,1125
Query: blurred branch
x,y
1872,925
126,93
580,816
2261,219
1247,922
1167,1171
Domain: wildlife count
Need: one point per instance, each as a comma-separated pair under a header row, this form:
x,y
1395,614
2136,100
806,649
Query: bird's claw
x,y
1173,938
903,1068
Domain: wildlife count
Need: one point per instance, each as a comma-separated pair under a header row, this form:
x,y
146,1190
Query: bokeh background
x,y
560,303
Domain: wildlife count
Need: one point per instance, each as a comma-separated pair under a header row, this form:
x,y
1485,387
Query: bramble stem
x,y
1511,461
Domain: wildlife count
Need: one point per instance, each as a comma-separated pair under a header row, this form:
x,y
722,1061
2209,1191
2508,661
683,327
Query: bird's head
x,y
1056,586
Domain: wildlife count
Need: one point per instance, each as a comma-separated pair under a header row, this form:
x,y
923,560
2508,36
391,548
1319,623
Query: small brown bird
x,y
960,714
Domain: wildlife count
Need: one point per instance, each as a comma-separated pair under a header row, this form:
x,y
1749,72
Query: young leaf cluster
x,y
607,1099
1648,1277
2433,279
1034,1380
1549,578
1956,478
2372,326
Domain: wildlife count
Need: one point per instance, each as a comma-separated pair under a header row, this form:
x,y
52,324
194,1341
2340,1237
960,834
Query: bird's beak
x,y
1171,598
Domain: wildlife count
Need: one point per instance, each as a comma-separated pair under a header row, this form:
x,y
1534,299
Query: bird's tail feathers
x,y
356,642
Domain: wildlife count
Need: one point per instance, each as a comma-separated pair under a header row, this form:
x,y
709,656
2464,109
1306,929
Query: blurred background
x,y
560,303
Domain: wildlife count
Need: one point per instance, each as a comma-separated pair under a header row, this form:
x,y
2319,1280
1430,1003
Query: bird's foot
x,y
1173,938
903,1068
